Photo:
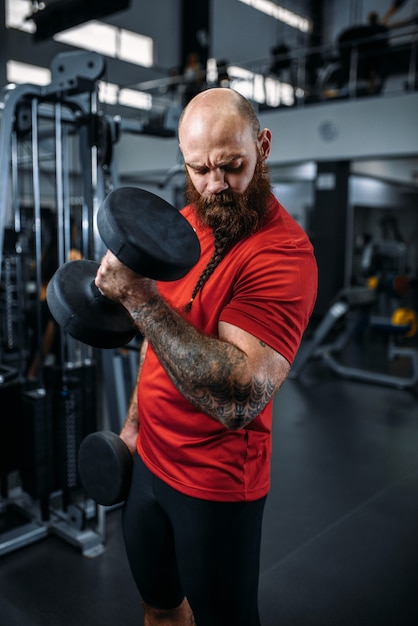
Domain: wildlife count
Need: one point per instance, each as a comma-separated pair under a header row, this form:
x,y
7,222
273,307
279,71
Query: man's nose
x,y
216,182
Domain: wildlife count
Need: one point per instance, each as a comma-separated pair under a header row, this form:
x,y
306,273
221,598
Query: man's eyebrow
x,y
231,159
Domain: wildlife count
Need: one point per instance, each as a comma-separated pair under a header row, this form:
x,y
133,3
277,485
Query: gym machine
x,y
55,149
349,313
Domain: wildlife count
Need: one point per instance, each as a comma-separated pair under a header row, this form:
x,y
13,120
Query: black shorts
x,y
180,546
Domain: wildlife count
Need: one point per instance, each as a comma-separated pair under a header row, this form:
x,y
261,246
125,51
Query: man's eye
x,y
232,169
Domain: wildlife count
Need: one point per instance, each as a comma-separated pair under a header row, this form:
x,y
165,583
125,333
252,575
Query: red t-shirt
x,y
265,285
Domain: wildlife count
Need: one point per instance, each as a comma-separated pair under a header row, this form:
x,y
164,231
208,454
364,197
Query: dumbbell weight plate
x,y
81,310
105,467
147,234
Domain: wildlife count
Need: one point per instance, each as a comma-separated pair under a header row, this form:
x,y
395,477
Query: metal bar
x,y
59,184
15,184
10,96
352,78
19,269
412,71
355,373
335,312
59,209
97,187
65,173
38,234
21,536
119,390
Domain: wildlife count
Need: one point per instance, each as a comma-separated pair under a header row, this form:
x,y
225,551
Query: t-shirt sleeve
x,y
274,296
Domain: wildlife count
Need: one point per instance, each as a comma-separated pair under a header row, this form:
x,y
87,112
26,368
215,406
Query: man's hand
x,y
118,282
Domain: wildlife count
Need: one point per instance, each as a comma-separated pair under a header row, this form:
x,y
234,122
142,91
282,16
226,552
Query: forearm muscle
x,y
210,373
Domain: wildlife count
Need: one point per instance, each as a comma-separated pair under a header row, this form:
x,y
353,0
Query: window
x,y
281,14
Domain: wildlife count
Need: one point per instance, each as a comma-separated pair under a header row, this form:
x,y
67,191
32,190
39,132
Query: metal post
x,y
412,71
9,98
38,234
352,79
59,184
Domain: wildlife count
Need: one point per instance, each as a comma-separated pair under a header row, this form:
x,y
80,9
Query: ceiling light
x,y
16,16
55,17
20,73
281,14
94,35
110,41
135,99
135,48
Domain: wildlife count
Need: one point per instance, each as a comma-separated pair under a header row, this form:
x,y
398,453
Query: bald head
x,y
225,103
220,139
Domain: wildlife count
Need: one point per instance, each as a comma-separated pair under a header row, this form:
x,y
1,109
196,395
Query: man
x,y
218,345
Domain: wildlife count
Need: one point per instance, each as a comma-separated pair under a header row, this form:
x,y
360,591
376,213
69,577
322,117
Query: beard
x,y
233,216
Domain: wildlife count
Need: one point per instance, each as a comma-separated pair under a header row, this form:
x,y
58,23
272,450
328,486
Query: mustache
x,y
223,198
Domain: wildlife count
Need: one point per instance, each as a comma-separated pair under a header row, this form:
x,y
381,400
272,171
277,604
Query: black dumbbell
x,y
148,235
105,467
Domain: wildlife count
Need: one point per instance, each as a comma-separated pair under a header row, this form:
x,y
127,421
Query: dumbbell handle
x,y
98,293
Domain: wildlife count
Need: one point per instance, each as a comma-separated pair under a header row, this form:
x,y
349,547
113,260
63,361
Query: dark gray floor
x,y
340,543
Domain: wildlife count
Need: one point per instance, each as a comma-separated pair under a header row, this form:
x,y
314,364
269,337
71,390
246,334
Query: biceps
x,y
262,362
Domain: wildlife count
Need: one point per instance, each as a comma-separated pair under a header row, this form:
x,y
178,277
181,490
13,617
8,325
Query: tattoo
x,y
207,371
233,405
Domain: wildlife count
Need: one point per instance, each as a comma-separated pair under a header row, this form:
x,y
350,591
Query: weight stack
x,y
10,420
38,467
74,406
88,381
68,431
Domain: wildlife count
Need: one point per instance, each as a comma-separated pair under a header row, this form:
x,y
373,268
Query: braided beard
x,y
231,216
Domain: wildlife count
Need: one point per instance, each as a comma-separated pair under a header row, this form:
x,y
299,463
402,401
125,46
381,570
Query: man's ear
x,y
264,142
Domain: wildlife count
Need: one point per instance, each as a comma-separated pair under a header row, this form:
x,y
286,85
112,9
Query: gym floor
x,y
340,542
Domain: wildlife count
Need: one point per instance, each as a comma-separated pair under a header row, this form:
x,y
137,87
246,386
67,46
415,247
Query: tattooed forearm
x,y
235,405
210,373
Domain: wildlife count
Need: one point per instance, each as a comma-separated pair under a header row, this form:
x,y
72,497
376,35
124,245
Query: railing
x,y
352,67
